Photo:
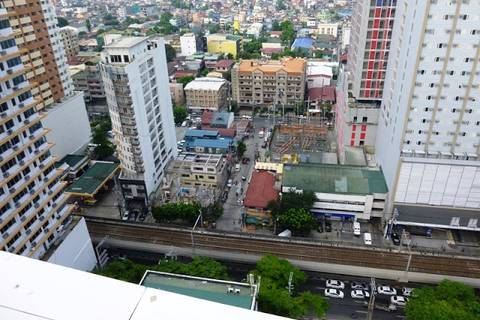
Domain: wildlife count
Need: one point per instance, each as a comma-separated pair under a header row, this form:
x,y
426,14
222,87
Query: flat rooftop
x,y
206,83
33,290
93,179
126,42
290,65
74,161
330,178
202,288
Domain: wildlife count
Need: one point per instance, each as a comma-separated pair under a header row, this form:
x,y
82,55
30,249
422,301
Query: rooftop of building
x,y
33,289
330,178
304,42
206,83
224,63
261,190
126,42
326,93
195,133
221,143
93,179
199,158
290,65
203,288
74,161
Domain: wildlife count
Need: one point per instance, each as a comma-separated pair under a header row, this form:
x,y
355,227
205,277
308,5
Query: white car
x,y
334,293
336,284
229,183
125,216
399,301
360,294
359,285
407,291
387,290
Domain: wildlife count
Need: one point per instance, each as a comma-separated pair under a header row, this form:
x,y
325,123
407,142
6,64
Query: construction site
x,y
305,142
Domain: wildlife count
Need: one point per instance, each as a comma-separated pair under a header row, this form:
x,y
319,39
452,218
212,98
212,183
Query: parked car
x,y
229,183
359,285
126,215
334,293
395,239
328,226
245,160
237,167
399,301
407,291
244,178
320,228
360,294
367,238
336,284
225,196
387,290
356,228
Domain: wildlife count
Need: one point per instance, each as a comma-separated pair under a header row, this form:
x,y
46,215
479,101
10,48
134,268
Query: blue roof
x,y
212,143
306,43
193,133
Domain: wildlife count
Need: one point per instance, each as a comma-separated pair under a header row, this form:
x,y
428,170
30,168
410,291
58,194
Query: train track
x,y
286,248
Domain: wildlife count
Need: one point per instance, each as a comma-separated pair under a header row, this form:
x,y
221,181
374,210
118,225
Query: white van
x,y
356,228
237,167
367,238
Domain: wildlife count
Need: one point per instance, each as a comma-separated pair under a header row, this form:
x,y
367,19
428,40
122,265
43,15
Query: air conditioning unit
x,y
36,205
23,218
21,105
41,165
5,235
50,192
6,174
28,231
34,244
1,158
11,249
31,137
3,52
15,148
27,177
21,162
15,88
3,115
17,204
9,131
54,205
9,71
45,179
26,121
12,190
36,151
45,230
41,218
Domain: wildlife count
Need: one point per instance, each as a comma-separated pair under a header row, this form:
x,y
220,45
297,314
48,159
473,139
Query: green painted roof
x,y
206,289
93,178
329,178
72,160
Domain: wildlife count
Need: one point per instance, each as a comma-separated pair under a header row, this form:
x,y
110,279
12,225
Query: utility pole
x,y
290,283
371,302
199,218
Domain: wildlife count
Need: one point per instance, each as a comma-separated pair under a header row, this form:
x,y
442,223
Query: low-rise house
x,y
261,190
206,94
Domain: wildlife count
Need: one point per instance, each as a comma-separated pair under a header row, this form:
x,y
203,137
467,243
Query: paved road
x,y
340,309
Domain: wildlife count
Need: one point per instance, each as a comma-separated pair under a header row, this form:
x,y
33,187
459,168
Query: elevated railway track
x,y
296,249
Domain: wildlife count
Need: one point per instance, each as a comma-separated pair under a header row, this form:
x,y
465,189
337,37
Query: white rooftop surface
x,y
319,69
126,42
33,289
205,83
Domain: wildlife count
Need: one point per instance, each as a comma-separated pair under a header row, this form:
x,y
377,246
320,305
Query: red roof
x,y
207,118
260,190
276,33
230,133
343,58
272,50
224,64
184,73
323,93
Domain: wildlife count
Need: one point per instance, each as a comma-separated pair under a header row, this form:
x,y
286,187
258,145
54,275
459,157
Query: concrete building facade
x,y
258,83
70,41
188,44
428,141
33,207
371,31
134,71
206,93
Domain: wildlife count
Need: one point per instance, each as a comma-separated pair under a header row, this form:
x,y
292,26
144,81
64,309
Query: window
x,y
14,62
364,119
7,44
4,24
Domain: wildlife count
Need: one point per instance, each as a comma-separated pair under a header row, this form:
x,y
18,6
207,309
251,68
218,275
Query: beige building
x,y
258,83
177,93
197,176
330,29
206,93
70,41
87,78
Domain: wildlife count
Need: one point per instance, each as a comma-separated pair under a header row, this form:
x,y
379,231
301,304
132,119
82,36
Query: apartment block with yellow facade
x,y
265,83
224,44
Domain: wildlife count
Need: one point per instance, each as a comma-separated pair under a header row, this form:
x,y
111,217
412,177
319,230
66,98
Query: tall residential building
x,y
38,37
134,71
33,206
262,84
428,141
372,24
70,41
189,44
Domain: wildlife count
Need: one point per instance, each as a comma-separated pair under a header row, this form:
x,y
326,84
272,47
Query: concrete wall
x,y
76,250
70,129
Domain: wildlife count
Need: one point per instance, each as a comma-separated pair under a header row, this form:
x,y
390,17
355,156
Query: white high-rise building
x,y
188,44
428,140
134,72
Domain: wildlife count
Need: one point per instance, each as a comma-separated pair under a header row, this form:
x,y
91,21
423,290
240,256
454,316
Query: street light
x,y
199,218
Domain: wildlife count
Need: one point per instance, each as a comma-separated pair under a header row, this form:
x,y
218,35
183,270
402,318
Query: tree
x,y
110,20
165,27
275,26
292,200
213,28
280,6
288,32
129,20
179,115
62,22
177,211
212,212
127,270
88,24
274,296
185,80
204,72
233,106
104,148
299,221
170,52
241,148
449,300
